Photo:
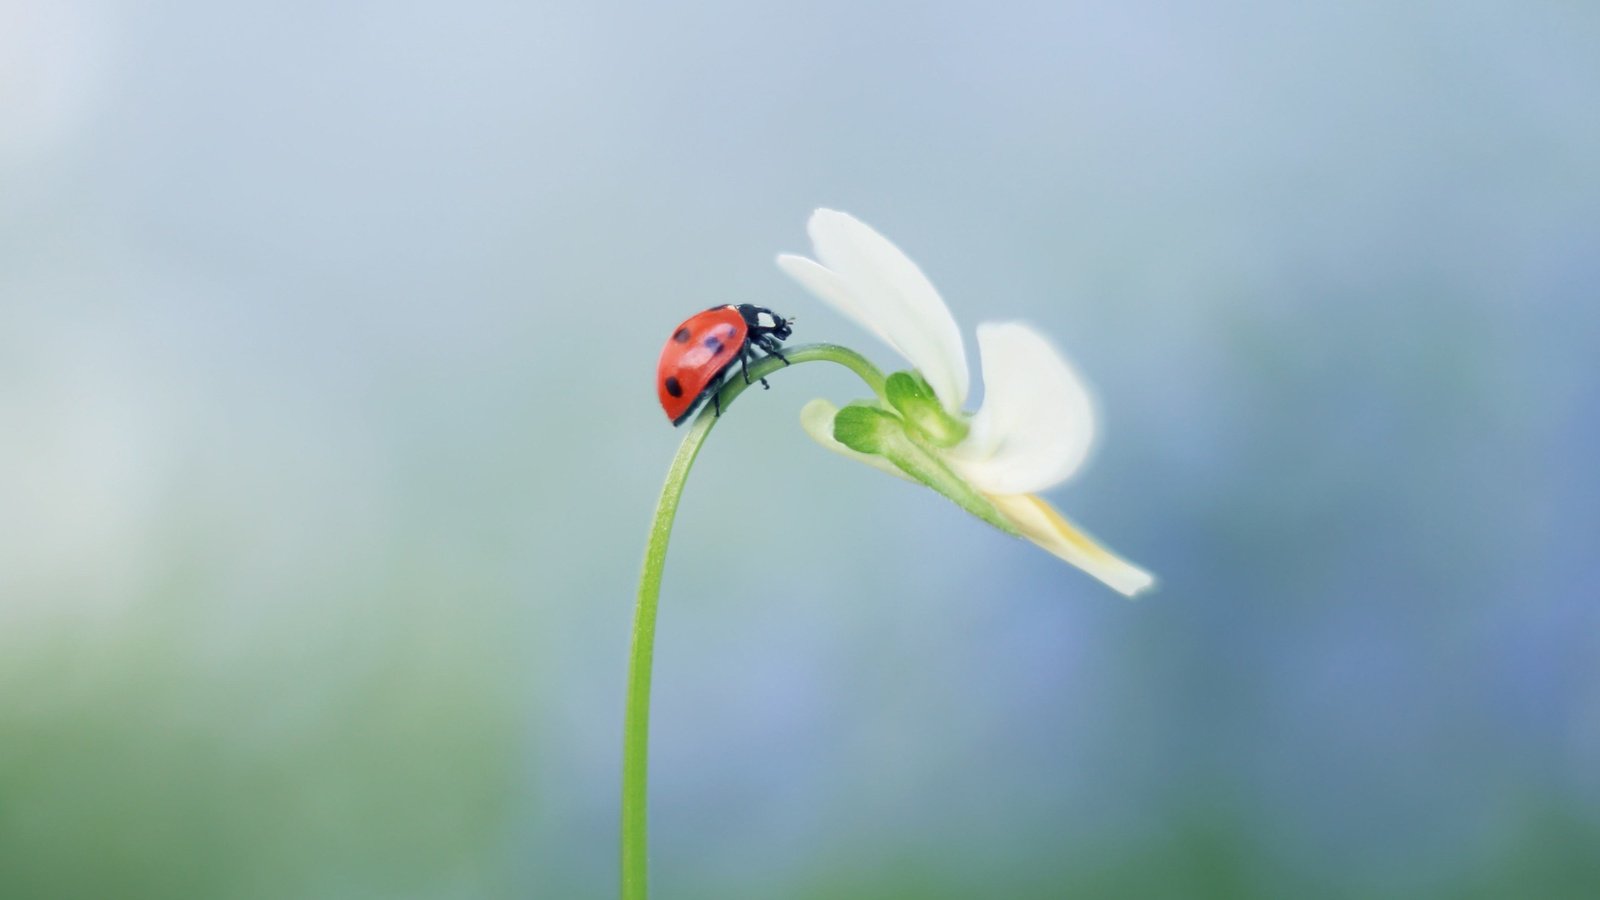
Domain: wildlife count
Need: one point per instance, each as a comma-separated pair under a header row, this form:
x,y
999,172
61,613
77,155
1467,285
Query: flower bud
x,y
870,429
865,428
910,394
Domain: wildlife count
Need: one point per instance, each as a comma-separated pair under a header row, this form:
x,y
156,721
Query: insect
x,y
701,351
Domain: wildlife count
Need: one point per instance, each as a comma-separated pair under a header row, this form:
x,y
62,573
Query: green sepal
x,y
866,428
870,429
909,393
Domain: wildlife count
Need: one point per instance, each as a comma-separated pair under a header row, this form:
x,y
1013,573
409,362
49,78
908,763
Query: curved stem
x,y
636,721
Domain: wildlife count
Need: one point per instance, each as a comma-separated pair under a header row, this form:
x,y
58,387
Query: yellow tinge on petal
x,y
1039,522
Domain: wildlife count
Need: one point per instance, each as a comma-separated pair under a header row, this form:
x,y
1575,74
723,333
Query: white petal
x,y
826,284
816,418
1037,420
867,278
1039,522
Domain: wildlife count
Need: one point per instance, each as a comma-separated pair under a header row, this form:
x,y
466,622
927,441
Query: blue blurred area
x,y
326,338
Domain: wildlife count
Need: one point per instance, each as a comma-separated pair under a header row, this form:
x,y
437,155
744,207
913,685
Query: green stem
x,y
636,722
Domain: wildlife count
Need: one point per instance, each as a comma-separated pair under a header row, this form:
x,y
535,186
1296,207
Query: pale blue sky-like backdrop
x,y
328,445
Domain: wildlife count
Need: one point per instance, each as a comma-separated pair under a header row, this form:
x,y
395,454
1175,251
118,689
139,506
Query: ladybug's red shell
x,y
696,354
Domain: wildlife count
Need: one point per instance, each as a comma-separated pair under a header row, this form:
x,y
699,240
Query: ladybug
x,y
700,352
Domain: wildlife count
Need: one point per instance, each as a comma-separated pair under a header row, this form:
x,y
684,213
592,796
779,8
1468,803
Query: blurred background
x,y
328,445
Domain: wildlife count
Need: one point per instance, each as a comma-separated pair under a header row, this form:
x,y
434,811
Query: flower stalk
x,y
636,720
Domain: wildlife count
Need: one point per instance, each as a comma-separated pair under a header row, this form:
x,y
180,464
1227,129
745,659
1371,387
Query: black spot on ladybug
x,y
673,387
712,343
682,337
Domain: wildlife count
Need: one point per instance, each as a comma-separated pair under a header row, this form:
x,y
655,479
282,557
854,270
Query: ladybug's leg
x,y
714,391
764,385
747,353
771,345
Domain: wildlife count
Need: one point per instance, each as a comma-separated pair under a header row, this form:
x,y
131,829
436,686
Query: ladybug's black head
x,y
761,320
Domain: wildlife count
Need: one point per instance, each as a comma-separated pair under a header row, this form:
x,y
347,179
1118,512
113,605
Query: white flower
x,y
1036,424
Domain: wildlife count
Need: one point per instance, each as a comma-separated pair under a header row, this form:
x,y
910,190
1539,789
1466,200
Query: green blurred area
x,y
142,763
